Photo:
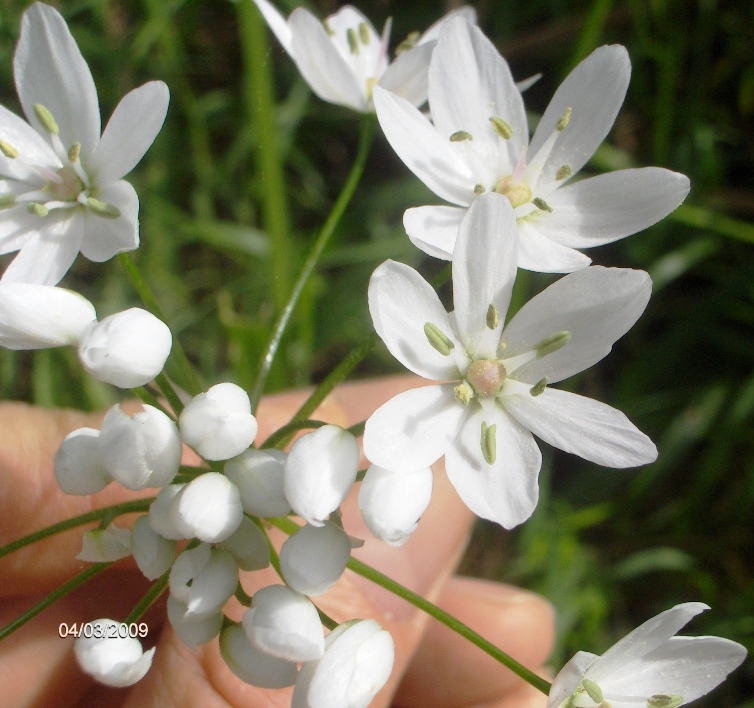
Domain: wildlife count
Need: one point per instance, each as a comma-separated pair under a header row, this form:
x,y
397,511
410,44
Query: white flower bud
x,y
127,349
192,632
111,656
252,665
140,451
357,664
284,623
78,468
159,512
40,316
259,476
105,545
248,546
320,471
153,553
315,557
208,508
203,578
392,502
218,424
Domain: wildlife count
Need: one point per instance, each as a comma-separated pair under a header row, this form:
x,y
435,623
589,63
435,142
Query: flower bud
x,y
203,578
127,349
218,424
252,665
140,451
192,632
153,553
78,467
248,546
159,512
105,545
259,476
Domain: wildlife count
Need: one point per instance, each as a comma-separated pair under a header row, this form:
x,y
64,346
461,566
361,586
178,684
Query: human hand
x,y
433,666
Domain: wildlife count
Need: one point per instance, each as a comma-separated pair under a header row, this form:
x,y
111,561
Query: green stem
x,y
150,597
53,597
365,141
282,435
146,396
169,392
108,511
703,218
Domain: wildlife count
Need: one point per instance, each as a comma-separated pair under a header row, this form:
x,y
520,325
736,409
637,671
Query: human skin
x,y
434,666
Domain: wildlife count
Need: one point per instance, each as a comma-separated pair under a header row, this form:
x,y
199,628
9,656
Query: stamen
x,y
38,209
552,343
479,189
330,31
108,211
463,393
564,172
408,43
541,204
592,690
437,339
45,118
460,136
8,150
489,443
562,124
493,318
502,128
353,42
662,700
7,201
539,388
363,33
74,152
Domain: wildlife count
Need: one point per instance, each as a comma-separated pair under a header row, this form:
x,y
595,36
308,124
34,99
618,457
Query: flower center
x,y
486,377
517,194
68,188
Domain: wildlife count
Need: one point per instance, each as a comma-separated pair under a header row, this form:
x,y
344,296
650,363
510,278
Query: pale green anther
x,y
592,690
7,201
408,43
564,172
493,318
330,31
664,701
463,393
38,209
479,189
364,33
562,124
74,152
541,204
459,136
502,128
45,118
108,211
552,343
539,388
353,40
8,150
489,443
437,339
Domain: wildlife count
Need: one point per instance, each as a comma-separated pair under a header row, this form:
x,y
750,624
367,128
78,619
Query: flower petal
x,y
433,31
413,429
434,229
506,491
50,70
424,151
30,145
392,287
540,254
130,131
596,305
582,426
407,75
608,207
568,678
277,23
102,237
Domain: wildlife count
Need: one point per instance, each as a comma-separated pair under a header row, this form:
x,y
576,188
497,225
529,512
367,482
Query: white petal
x,y
434,229
252,665
16,228
432,32
596,305
277,24
608,207
484,269
40,316
131,130
50,70
208,508
568,678
153,553
321,64
506,491
192,632
105,545
594,91
407,75
413,429
212,583
259,476
78,468
582,426
248,546
540,254
186,567
320,471
102,237
423,149
401,303
159,512
31,146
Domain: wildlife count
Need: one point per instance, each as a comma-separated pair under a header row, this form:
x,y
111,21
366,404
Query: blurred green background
x,y
226,223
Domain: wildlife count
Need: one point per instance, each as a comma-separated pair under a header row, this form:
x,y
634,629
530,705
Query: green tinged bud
x,y
108,211
45,118
437,339
489,443
460,136
552,343
502,128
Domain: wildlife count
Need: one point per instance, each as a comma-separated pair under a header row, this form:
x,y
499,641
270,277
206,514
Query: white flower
x,y
78,467
320,471
253,665
62,191
357,663
343,58
479,142
127,349
260,478
218,424
481,424
153,553
193,632
110,655
649,667
105,545
392,502
248,546
159,512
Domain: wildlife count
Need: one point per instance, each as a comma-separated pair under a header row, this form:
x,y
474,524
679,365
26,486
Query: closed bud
x,y
259,476
78,467
252,665
248,546
204,579
153,553
192,632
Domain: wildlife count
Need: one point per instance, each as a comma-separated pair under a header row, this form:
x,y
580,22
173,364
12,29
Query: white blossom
x,y
153,553
159,512
110,655
248,546
259,476
479,142
193,632
78,467
105,545
252,665
61,190
499,376
649,667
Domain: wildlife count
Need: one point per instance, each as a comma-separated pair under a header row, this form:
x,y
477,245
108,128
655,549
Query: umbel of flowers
x,y
208,525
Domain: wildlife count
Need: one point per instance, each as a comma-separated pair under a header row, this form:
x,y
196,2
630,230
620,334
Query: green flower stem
x,y
326,620
150,597
53,597
169,392
281,436
146,396
366,135
357,430
290,527
111,512
186,376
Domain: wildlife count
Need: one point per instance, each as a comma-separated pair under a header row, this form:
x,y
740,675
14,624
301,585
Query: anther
x,y
45,118
562,124
437,339
552,343
479,189
493,318
463,393
502,128
8,150
592,690
408,43
489,443
564,172
38,209
460,136
108,211
74,152
353,41
541,204
664,701
363,33
539,388
330,31
7,201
